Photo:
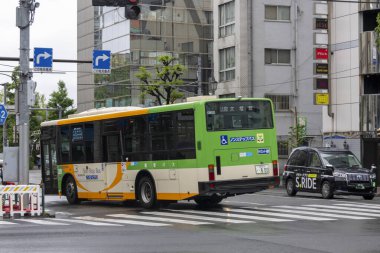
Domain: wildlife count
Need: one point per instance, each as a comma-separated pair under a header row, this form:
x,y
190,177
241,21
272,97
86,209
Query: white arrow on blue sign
x,y
101,61
3,114
43,59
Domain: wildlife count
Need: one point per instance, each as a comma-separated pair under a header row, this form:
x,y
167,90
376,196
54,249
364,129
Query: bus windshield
x,y
239,115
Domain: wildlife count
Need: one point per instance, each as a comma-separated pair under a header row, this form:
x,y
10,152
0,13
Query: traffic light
x,y
132,10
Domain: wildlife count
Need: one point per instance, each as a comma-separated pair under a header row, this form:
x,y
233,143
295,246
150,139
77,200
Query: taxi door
x,y
313,172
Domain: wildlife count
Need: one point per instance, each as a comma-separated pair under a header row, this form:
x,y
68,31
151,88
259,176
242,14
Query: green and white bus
x,y
204,151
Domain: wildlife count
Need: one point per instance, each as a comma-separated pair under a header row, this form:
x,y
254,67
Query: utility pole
x,y
199,75
24,19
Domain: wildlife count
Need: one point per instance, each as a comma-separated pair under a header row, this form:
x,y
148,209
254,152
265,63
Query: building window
x,y
227,19
279,13
280,102
277,56
227,64
283,148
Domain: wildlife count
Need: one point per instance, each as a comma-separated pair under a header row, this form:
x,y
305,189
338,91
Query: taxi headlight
x,y
339,174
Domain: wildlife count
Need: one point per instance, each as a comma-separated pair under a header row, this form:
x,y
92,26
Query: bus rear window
x,y
239,115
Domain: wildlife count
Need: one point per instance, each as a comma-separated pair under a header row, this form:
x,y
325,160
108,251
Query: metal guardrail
x,y
21,200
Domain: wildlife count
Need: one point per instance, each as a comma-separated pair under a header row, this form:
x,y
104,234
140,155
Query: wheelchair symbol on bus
x,y
224,140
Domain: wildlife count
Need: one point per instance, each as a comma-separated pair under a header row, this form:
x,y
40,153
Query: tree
x,y
168,77
297,135
377,31
59,99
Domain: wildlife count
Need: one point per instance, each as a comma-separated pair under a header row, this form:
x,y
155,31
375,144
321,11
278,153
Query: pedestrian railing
x,y
20,200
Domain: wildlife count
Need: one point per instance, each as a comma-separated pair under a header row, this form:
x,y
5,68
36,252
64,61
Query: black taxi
x,y
328,171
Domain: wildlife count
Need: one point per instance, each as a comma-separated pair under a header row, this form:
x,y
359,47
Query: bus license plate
x,y
262,169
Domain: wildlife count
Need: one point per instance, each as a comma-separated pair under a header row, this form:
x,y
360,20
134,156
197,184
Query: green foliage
x,y
377,31
297,135
168,77
59,99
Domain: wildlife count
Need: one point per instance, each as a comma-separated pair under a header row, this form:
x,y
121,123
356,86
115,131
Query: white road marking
x,y
360,205
242,202
140,217
358,216
292,216
196,217
232,215
346,208
43,222
123,221
93,223
7,223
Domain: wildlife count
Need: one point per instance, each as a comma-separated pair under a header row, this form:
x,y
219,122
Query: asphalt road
x,y
268,221
264,222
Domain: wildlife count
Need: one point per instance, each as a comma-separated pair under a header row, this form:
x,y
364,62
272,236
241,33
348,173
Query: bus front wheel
x,y
71,191
147,196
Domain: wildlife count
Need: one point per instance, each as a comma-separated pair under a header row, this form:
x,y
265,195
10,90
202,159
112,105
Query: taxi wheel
x,y
147,193
369,197
290,187
71,191
327,190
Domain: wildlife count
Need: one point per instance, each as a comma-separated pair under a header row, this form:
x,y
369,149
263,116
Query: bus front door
x,y
49,166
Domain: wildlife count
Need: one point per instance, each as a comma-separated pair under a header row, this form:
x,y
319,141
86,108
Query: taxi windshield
x,y
341,159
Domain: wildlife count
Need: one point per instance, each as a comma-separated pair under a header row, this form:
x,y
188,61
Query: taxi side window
x,y
314,160
299,158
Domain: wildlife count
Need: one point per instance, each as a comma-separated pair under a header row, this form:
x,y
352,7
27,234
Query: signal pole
x,y
24,18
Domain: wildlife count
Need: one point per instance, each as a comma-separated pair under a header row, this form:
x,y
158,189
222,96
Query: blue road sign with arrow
x,y
43,59
3,114
101,61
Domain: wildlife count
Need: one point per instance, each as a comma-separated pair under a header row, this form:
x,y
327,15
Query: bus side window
x,y
111,148
77,144
64,137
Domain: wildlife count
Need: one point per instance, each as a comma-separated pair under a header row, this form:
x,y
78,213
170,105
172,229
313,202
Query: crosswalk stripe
x,y
44,222
123,221
139,217
292,216
357,216
232,215
196,217
377,207
93,223
7,223
346,208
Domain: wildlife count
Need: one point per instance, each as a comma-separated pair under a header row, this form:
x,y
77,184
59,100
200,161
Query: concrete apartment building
x,y
181,28
265,48
354,114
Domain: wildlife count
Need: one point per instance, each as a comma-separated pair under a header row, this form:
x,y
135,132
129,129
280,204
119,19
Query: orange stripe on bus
x,y
102,117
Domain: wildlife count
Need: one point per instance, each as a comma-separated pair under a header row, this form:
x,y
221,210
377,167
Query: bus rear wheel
x,y
208,201
71,191
147,195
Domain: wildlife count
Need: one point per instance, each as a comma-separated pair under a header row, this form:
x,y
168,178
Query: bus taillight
x,y
211,172
285,167
275,168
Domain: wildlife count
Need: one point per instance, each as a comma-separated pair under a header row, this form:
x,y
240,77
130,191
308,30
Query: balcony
x,y
369,112
369,62
367,5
